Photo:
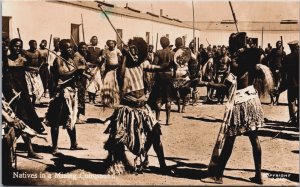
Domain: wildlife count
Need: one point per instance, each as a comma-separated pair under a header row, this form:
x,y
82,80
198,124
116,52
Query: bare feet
x,y
216,180
257,180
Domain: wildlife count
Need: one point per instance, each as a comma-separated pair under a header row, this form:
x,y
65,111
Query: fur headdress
x,y
141,47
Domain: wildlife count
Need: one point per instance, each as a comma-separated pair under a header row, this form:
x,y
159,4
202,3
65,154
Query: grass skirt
x,y
247,115
129,127
110,91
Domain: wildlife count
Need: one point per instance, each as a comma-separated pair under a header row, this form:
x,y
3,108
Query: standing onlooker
x,y
80,57
43,71
274,60
163,91
14,82
110,90
208,72
290,75
53,79
94,59
222,71
33,79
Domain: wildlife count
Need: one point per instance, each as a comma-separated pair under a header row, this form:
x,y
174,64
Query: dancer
x,y
134,119
244,113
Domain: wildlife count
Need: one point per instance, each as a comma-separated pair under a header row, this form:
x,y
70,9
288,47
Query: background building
x,y
39,19
217,32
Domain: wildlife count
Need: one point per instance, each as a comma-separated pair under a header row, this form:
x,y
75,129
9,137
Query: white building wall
x,y
37,20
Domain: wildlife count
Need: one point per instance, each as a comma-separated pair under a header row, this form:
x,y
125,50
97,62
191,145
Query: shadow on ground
x,y
205,119
95,166
294,177
283,130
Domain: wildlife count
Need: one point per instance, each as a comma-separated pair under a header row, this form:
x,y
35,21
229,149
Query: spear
x,y
262,37
234,18
60,57
74,41
207,41
19,33
82,28
156,41
49,47
114,28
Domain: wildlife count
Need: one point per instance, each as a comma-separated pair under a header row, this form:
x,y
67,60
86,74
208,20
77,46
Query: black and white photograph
x,y
156,93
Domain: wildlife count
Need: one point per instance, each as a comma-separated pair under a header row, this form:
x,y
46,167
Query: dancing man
x,y
244,113
134,119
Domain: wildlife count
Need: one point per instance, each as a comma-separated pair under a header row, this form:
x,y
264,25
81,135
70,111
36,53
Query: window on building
x,y
75,33
148,37
6,26
167,35
119,42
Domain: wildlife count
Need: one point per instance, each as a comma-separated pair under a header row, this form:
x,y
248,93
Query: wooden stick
x,y
114,29
19,33
61,58
74,41
156,41
262,37
234,18
82,28
49,48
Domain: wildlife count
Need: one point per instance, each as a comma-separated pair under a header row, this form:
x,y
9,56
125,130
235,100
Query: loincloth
x,y
247,113
34,84
63,109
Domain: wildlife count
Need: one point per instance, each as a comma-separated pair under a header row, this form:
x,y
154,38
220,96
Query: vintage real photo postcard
x,y
165,92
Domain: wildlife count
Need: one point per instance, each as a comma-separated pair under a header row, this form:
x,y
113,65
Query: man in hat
x,y
163,91
94,62
290,75
274,60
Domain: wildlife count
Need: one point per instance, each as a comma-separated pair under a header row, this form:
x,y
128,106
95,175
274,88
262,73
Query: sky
x,y
268,11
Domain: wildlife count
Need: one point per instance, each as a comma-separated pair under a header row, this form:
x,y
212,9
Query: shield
x,y
182,57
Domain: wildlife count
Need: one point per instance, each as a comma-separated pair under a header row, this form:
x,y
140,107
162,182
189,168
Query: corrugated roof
x,y
126,12
245,26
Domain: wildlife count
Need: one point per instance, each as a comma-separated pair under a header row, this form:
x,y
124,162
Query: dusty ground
x,y
188,144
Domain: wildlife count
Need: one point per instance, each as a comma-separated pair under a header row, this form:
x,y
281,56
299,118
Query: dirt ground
x,y
188,145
